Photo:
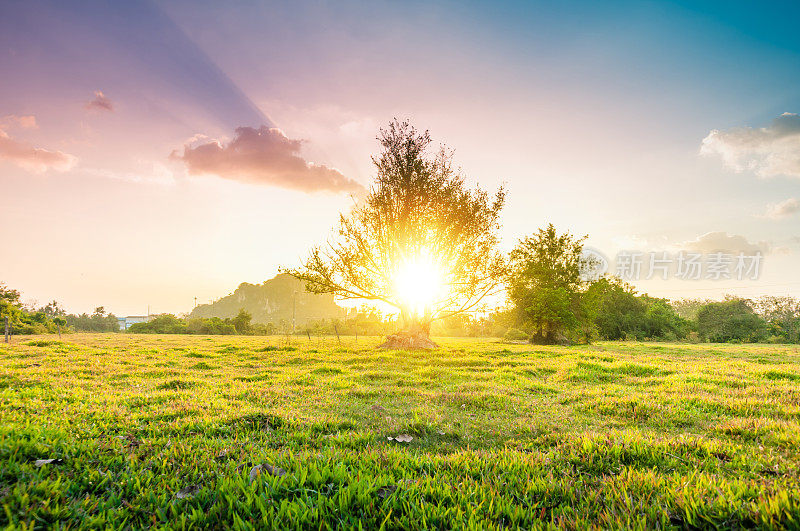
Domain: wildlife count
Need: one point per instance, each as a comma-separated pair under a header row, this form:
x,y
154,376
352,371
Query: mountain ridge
x,y
273,301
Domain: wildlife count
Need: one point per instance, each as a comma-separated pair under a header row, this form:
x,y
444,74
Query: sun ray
x,y
419,283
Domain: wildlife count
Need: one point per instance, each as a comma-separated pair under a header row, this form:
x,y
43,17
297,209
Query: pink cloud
x,y
27,121
264,156
31,158
99,103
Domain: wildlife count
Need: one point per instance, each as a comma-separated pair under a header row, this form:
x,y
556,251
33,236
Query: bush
x,y
515,334
729,321
162,324
618,312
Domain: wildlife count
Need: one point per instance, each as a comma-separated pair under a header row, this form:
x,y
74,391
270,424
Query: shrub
x,y
515,334
732,320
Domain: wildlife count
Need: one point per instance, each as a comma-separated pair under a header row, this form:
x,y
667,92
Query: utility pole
x,y
195,302
7,331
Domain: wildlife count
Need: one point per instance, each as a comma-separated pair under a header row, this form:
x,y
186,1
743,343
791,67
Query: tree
x,y
661,321
545,283
688,308
59,322
618,312
732,320
9,296
53,309
21,319
242,322
161,324
420,241
782,315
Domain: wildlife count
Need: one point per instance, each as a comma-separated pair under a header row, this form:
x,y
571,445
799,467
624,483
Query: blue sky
x,y
593,113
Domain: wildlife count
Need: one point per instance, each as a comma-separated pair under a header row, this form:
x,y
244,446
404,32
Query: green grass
x,y
166,431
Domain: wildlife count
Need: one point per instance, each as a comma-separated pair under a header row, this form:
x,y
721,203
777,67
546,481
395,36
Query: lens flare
x,y
418,283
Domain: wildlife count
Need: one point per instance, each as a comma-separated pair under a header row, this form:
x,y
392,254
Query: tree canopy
x,y
421,240
546,281
730,320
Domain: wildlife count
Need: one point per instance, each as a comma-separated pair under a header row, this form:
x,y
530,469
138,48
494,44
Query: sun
x,y
418,283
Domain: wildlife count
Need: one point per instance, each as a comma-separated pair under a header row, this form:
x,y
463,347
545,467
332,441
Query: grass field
x,y
168,431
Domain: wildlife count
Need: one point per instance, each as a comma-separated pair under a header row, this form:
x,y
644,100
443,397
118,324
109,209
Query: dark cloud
x,y
264,156
100,102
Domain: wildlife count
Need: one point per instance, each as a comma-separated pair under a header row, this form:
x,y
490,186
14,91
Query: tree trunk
x,y
415,335
549,335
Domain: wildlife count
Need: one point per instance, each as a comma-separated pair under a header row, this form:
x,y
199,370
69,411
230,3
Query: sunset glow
x,y
419,283
153,149
380,264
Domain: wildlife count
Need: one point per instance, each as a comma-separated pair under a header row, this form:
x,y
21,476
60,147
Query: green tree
x,y
242,322
20,319
53,309
782,315
161,324
418,211
732,320
619,313
60,322
688,308
661,321
545,283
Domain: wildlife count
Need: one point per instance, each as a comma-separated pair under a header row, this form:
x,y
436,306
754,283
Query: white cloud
x,y
767,151
145,172
784,209
712,242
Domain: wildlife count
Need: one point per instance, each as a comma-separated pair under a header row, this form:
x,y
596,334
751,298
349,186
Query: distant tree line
x,y
551,300
99,321
170,324
366,321
605,308
23,320
555,299
51,318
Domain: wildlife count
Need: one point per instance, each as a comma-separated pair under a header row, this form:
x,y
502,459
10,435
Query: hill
x,y
272,302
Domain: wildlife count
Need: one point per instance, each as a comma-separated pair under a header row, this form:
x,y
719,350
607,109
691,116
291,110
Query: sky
x,y
152,152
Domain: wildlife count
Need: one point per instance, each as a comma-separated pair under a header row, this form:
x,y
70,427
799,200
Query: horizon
x,y
657,127
399,265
